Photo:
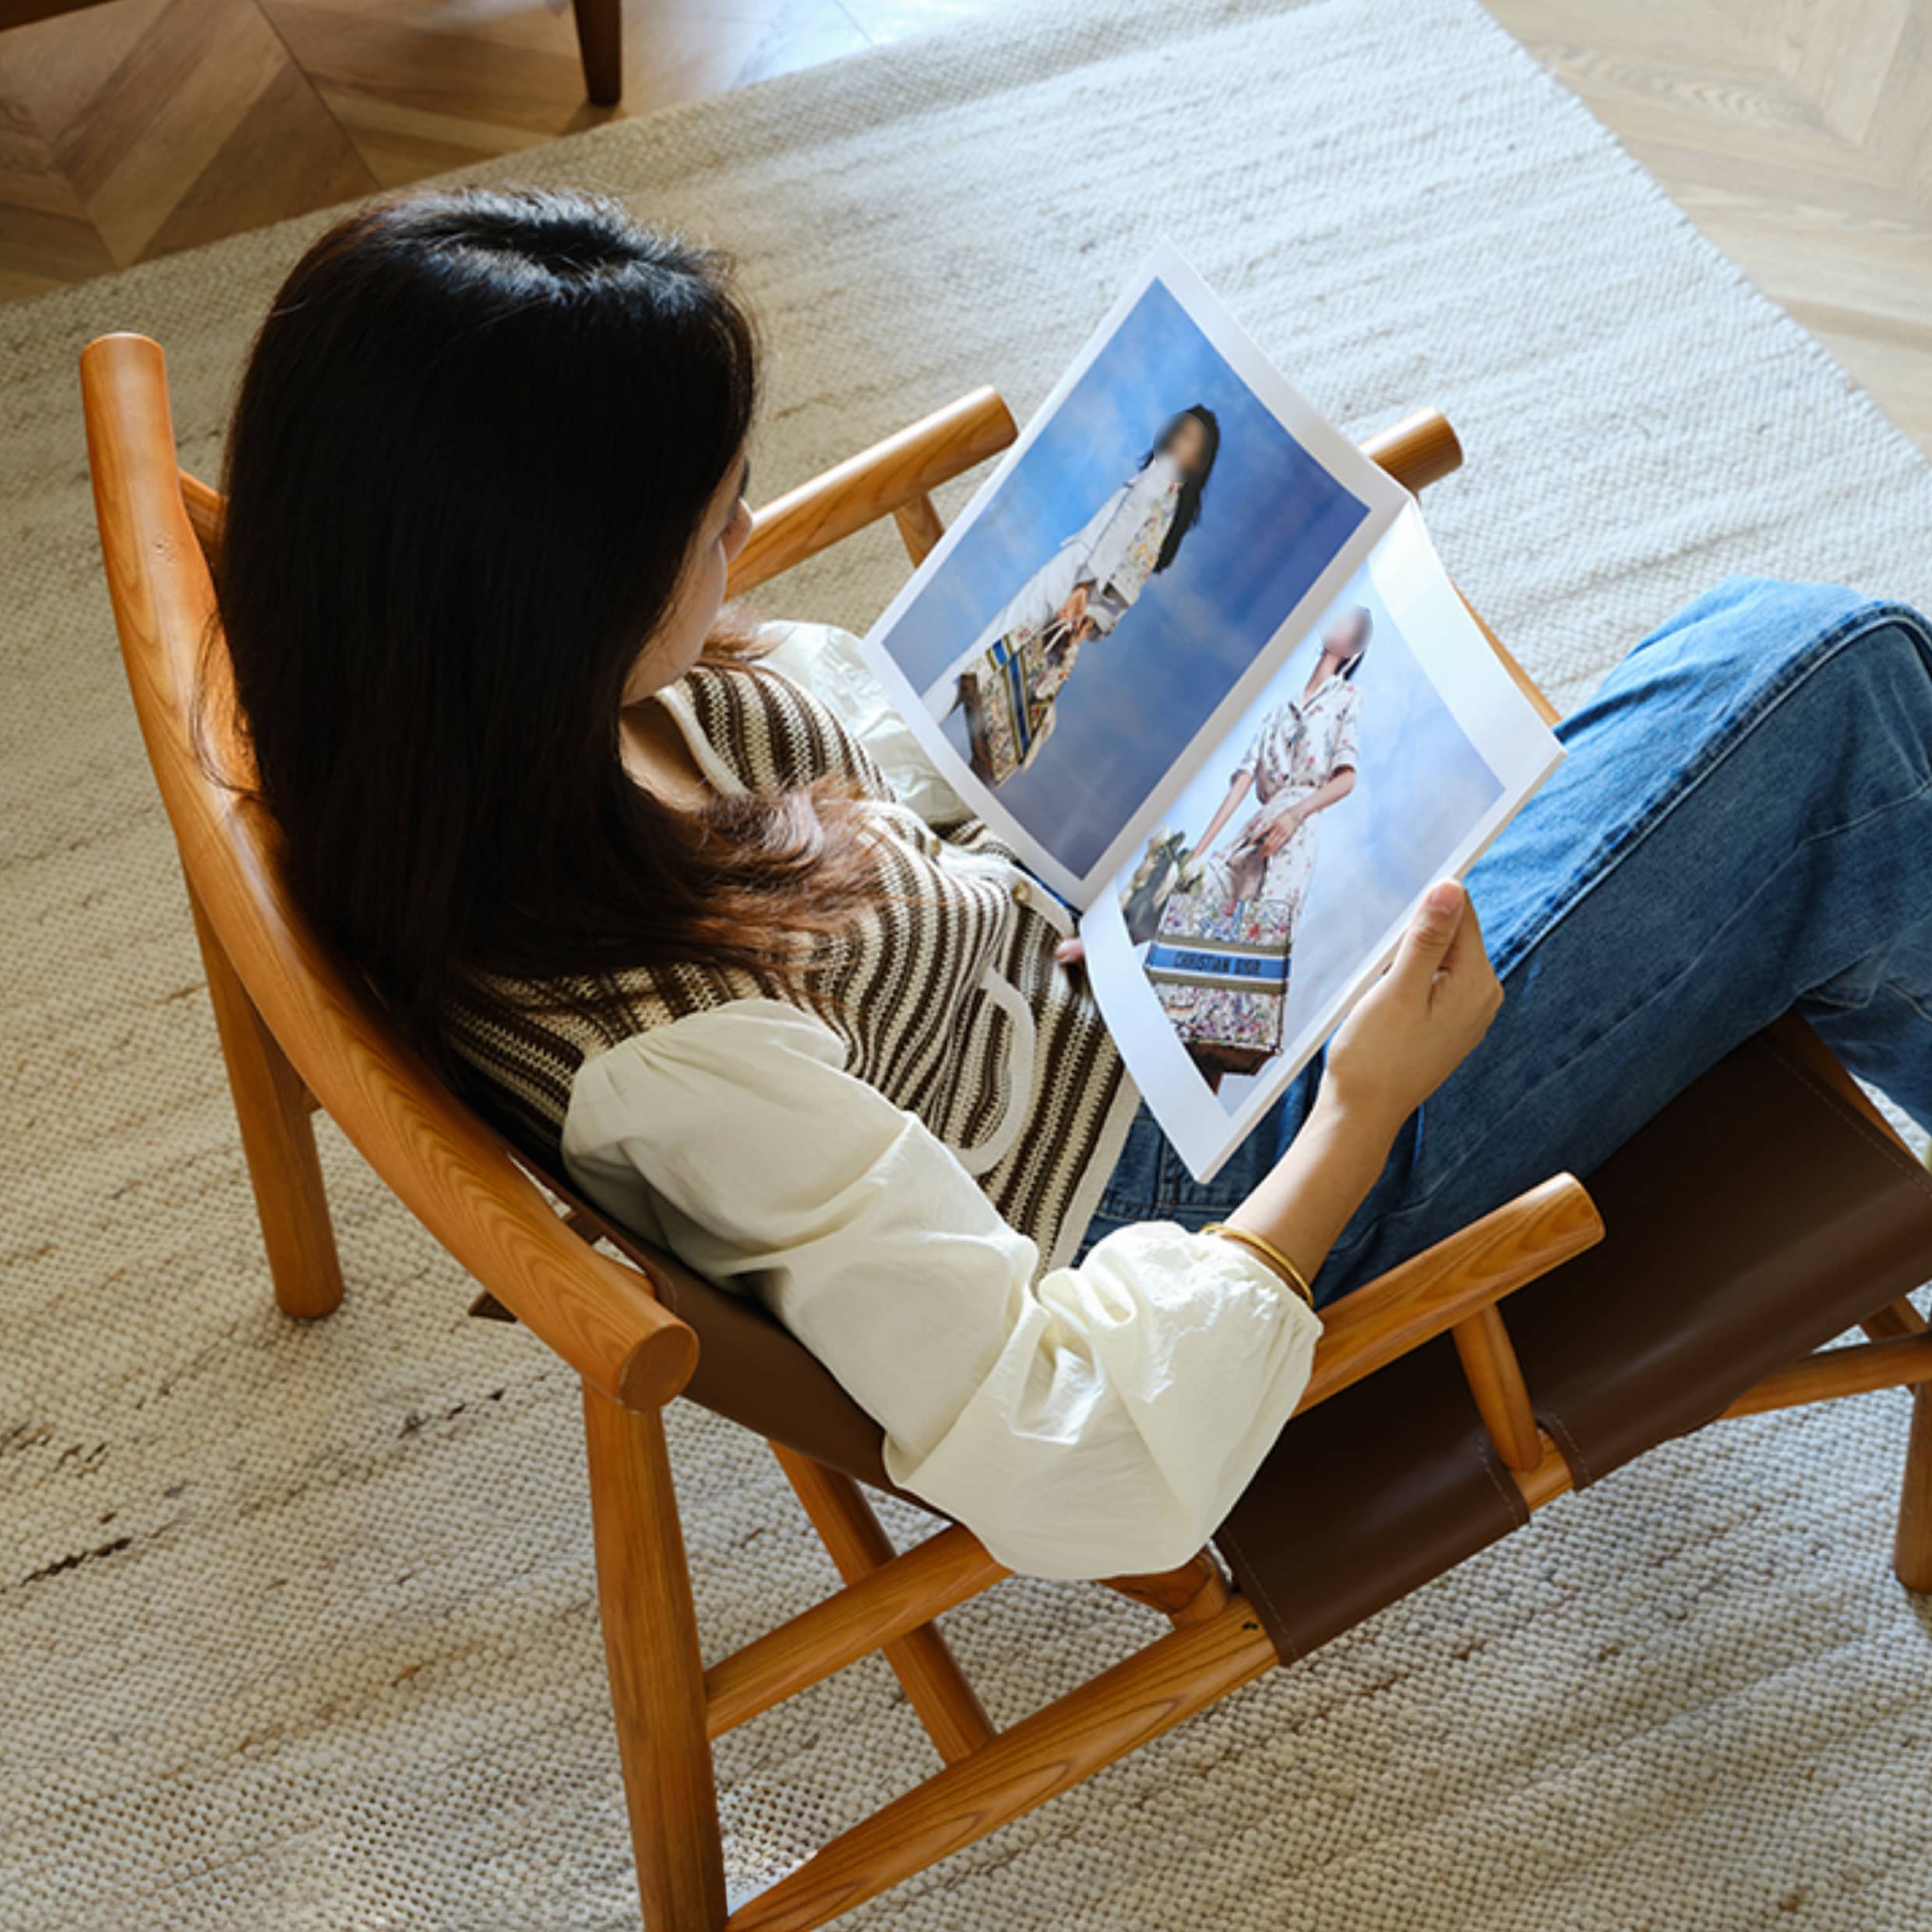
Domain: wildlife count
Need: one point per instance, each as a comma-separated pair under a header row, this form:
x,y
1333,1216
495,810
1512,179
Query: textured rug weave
x,y
297,1625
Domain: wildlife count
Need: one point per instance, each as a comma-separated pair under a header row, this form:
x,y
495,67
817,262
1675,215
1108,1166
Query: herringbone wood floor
x,y
1798,133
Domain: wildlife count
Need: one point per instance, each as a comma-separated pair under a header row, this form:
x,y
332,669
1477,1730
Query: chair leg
x,y
1911,1550
278,1137
600,44
1060,1745
1912,1553
1192,1594
1894,1320
650,1645
922,1661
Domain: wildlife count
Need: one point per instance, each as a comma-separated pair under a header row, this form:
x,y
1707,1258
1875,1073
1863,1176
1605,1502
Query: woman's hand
x,y
1274,834
1419,1022
1267,832
1072,612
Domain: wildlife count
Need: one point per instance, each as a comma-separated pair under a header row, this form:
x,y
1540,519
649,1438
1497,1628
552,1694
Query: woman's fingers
x,y
1466,986
1071,952
1425,947
1468,952
1422,1018
1466,943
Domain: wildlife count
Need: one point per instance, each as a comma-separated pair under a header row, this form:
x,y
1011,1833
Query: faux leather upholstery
x,y
1374,1494
750,1369
1765,1212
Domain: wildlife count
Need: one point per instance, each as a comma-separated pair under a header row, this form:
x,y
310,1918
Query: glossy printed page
x,y
1129,579
1387,748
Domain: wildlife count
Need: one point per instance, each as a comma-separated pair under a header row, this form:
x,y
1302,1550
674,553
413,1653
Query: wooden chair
x,y
1418,1439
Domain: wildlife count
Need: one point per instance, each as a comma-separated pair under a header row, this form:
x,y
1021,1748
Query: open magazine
x,y
1193,654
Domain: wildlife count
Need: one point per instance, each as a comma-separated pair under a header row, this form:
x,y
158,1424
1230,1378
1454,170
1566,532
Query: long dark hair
x,y
478,437
1193,485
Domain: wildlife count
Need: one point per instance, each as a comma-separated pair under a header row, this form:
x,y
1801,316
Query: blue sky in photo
x,y
1420,785
1272,520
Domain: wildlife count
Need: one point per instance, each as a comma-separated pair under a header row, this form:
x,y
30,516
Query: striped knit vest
x,y
944,990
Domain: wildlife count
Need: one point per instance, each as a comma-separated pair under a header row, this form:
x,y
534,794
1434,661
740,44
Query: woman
x,y
1221,961
1086,587
656,905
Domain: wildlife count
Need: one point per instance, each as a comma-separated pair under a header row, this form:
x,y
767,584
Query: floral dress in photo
x,y
1221,961
1009,677
1009,683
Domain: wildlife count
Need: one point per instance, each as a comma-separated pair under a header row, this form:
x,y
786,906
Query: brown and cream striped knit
x,y
944,991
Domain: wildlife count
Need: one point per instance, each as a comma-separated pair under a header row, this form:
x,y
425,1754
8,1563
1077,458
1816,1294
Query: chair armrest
x,y
893,478
875,483
1434,1292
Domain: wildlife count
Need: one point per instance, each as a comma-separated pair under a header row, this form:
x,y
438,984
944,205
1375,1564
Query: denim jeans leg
x,y
1742,825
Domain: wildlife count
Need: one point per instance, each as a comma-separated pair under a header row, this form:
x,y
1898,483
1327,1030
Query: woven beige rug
x,y
297,1625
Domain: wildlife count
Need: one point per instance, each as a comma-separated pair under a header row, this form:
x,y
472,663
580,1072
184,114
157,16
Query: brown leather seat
x,y
1713,1272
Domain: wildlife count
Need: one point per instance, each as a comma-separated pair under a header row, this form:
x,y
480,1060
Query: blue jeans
x,y
1742,825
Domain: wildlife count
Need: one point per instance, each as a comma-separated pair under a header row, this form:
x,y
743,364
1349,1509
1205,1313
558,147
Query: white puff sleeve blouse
x,y
1085,1421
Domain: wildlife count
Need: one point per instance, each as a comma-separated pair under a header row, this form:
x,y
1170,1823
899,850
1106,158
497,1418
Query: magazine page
x,y
1120,590
1389,747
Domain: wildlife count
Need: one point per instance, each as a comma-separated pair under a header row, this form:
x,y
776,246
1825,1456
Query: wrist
x,y
1365,1122
1314,1191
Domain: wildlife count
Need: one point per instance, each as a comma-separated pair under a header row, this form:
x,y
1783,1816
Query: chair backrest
x,y
621,1327
444,1164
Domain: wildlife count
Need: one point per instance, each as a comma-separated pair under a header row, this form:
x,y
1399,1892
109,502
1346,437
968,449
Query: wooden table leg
x,y
600,42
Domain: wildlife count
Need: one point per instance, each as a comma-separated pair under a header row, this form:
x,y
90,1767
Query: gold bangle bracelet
x,y
1269,1253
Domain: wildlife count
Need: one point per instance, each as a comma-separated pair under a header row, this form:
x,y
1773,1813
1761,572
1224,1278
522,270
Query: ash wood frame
x,y
297,1033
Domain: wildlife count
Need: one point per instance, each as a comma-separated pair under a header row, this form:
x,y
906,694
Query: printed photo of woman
x,y
1222,956
1010,675
1127,575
